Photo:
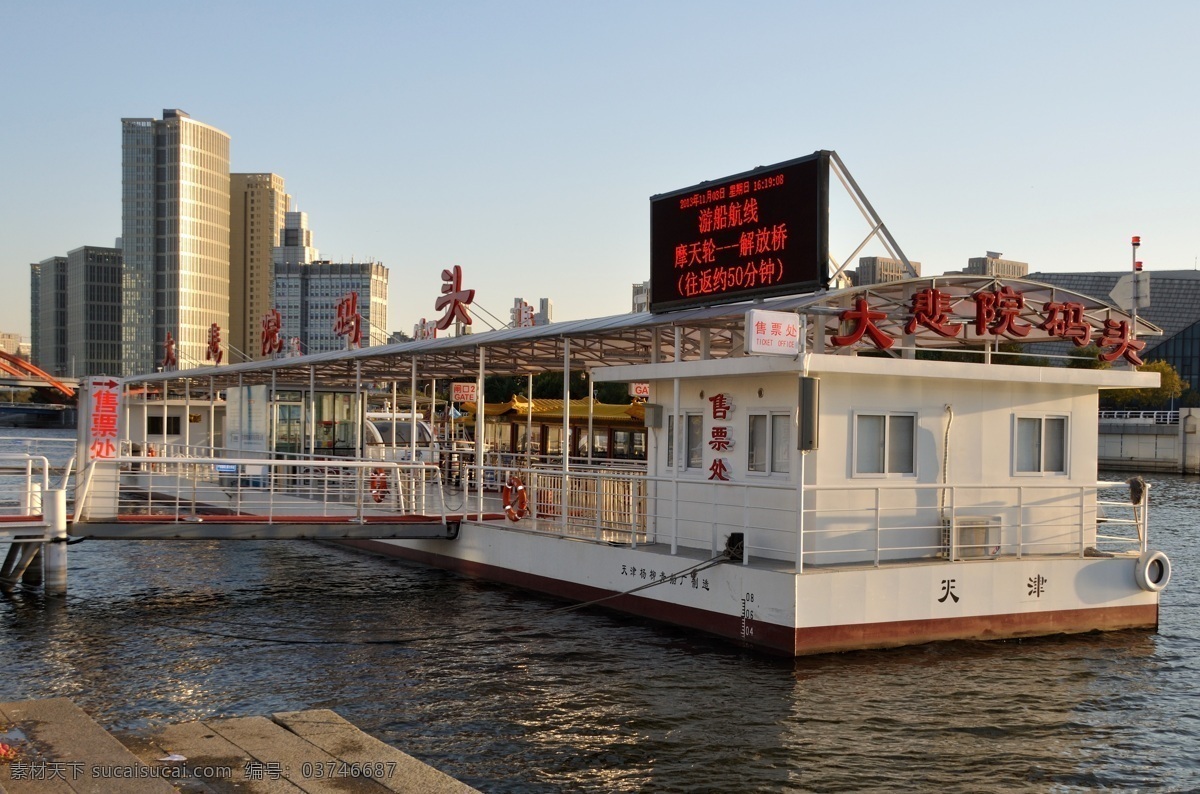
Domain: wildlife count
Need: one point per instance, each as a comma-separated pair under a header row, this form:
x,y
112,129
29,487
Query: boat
x,y
826,468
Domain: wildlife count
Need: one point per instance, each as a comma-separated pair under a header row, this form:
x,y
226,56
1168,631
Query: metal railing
x,y
28,479
1141,417
840,525
181,489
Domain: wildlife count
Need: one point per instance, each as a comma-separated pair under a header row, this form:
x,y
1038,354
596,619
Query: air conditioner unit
x,y
976,537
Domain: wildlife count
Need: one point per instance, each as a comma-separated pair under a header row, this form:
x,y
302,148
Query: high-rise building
x,y
175,239
295,242
882,269
522,314
641,297
94,311
10,343
257,207
307,296
75,312
48,314
993,265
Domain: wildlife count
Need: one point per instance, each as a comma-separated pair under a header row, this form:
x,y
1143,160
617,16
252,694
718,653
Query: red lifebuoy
x,y
379,485
516,501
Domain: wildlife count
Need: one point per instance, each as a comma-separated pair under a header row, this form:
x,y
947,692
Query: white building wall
x,y
843,507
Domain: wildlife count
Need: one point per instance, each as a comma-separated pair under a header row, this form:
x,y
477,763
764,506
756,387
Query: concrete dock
x,y
62,749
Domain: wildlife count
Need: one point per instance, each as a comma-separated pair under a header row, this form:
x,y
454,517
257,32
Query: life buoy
x,y
1153,571
379,485
516,501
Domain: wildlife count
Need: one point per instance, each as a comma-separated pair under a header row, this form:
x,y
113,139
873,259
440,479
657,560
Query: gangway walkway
x,y
143,498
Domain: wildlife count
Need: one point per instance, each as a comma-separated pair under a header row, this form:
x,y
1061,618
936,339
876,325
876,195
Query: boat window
x,y
768,449
885,444
154,425
695,441
781,442
671,441
402,433
1040,445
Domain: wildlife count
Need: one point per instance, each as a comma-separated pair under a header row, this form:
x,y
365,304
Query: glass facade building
x,y
48,314
258,206
175,239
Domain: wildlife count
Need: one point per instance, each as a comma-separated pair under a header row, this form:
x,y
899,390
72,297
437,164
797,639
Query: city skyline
x,y
523,143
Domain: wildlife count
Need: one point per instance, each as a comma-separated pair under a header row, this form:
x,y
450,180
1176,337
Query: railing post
x,y
1021,507
1144,529
1082,522
878,527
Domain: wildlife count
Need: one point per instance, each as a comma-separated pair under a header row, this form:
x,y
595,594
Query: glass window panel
x,y
781,442
869,439
1029,444
901,432
695,441
756,444
1056,444
671,441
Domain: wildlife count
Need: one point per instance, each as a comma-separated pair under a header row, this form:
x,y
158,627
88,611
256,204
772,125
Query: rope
x,y
697,568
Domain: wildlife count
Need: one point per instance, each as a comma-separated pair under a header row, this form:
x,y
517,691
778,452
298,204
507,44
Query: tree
x,y
1154,399
1086,358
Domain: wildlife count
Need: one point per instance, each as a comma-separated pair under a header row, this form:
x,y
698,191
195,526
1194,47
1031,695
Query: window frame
x,y
682,465
886,473
693,419
1015,442
769,416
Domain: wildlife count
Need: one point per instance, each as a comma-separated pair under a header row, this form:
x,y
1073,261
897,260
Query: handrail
x,y
879,521
265,488
1153,417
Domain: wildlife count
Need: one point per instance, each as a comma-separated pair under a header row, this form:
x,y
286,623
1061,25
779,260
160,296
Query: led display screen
x,y
763,232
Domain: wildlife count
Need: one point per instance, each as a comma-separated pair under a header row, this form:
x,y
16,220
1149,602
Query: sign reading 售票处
x,y
764,232
772,333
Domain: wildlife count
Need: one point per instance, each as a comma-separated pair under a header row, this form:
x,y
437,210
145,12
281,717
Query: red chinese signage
x,y
454,299
104,412
719,439
170,361
764,232
272,342
348,322
214,352
997,314
425,329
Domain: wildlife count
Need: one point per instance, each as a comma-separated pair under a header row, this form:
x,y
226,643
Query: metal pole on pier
x,y
1137,266
54,552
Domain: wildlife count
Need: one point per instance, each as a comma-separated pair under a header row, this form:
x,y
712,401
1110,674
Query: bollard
x,y
54,552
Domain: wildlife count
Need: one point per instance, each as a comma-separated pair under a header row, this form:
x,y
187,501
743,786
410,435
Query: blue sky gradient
x,y
522,140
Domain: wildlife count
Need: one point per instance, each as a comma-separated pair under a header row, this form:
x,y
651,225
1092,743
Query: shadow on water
x,y
504,691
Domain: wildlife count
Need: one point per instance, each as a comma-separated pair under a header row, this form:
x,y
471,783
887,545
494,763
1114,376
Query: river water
x,y
497,688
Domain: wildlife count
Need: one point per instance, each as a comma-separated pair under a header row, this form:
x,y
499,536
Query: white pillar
x,y
54,553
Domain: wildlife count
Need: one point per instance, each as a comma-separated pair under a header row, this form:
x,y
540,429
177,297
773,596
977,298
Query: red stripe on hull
x,y
787,640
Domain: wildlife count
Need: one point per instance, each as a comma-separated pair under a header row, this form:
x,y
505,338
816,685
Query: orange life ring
x,y
379,485
516,501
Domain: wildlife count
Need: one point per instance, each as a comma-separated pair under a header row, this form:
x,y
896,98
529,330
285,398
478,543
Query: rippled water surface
x,y
497,688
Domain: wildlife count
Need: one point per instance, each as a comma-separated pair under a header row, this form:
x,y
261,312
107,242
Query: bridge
x,y
19,373
53,403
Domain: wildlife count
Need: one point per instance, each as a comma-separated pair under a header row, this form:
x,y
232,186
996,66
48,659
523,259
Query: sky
x,y
523,140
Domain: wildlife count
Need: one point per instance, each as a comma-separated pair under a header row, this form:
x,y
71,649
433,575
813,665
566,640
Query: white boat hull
x,y
774,609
